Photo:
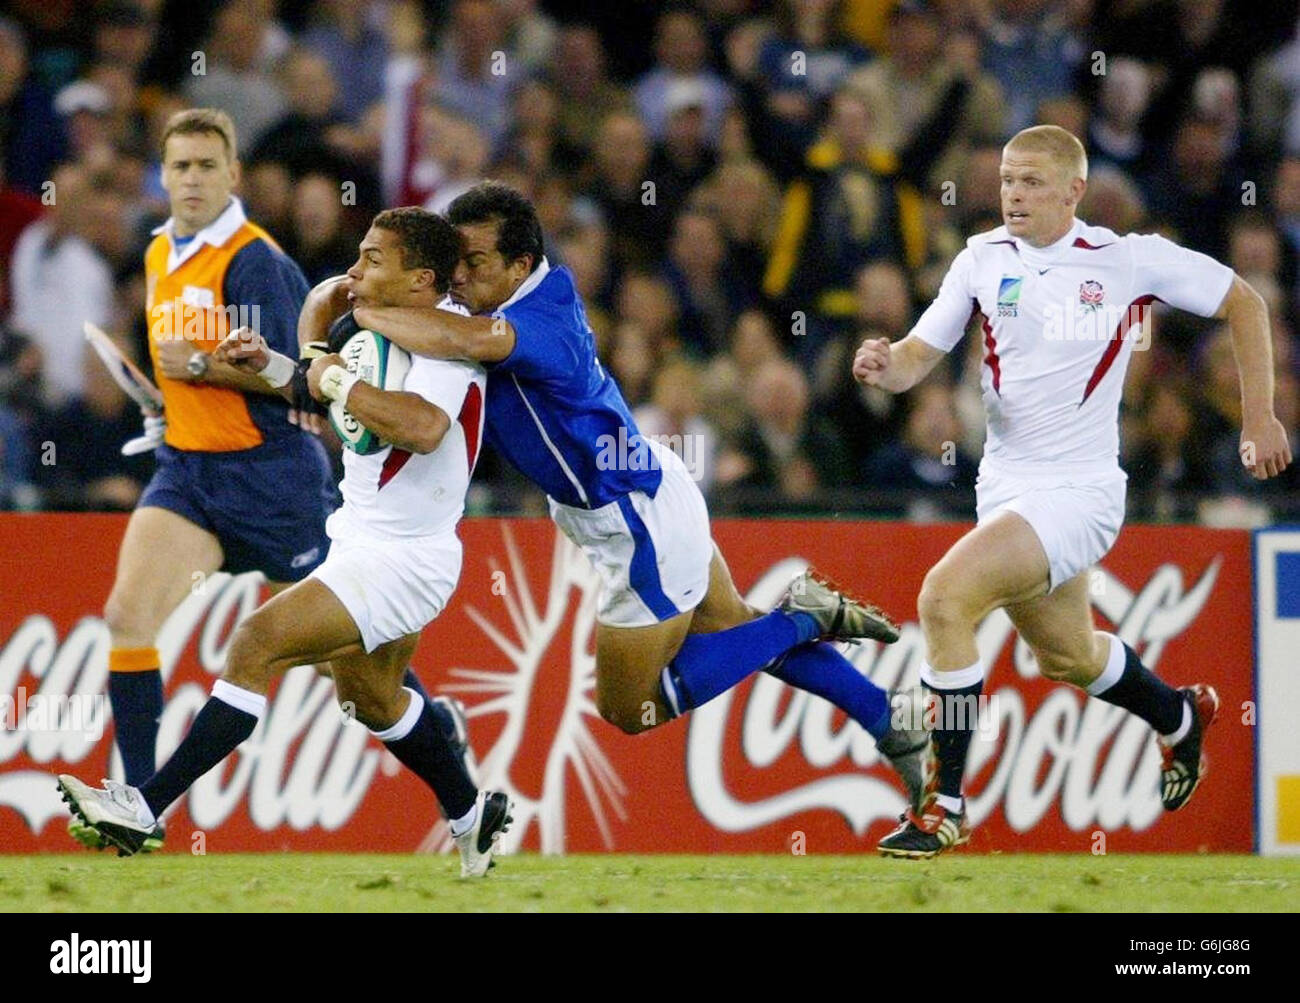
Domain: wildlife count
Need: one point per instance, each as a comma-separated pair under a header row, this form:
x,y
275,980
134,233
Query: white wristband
x,y
336,383
278,371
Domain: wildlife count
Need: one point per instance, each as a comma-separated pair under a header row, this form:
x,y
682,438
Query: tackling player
x,y
672,631
1062,304
393,562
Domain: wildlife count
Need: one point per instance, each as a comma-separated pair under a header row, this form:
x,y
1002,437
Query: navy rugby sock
x,y
958,714
1126,682
419,741
709,664
136,697
229,717
822,670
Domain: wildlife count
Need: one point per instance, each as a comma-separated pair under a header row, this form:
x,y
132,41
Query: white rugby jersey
x,y
398,493
1059,327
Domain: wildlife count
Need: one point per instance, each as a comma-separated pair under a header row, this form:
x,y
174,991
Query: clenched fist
x,y
871,361
244,349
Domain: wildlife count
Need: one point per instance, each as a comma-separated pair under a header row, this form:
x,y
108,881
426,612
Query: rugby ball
x,y
376,361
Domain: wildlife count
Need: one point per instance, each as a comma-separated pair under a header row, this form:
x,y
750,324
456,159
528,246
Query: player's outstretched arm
x,y
247,351
895,367
403,419
440,334
1265,449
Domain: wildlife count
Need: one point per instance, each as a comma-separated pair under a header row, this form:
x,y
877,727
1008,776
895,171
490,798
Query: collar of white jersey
x,y
525,287
215,233
1053,249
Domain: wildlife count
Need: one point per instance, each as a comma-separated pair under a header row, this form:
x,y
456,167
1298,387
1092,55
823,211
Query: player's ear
x,y
423,278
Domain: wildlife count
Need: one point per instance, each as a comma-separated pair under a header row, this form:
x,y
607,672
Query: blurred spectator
x,y
587,95
124,35
786,77
683,158
582,251
31,134
22,412
530,35
752,343
84,108
343,33
234,77
459,152
1163,459
1112,200
58,281
744,198
320,244
473,79
1032,48
267,190
979,190
298,137
866,417
674,417
1116,136
622,188
928,459
921,70
784,449
697,270
83,466
647,301
17,211
853,203
681,67
1194,192
631,361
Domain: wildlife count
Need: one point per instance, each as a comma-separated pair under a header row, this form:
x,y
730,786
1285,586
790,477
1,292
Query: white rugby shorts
x,y
1076,518
390,586
652,554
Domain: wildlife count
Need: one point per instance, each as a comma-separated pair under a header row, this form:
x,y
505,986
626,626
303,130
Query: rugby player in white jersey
x,y
393,562
1062,304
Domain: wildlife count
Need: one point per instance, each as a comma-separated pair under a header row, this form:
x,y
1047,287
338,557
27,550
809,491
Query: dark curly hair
x,y
518,231
427,240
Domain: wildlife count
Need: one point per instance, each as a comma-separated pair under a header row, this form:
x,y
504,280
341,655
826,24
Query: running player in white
x,y
1062,303
393,562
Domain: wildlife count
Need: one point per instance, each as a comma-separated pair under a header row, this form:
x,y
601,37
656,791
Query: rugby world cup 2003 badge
x,y
1009,295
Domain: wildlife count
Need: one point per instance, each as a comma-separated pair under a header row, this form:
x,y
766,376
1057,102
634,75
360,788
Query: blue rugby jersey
x,y
553,411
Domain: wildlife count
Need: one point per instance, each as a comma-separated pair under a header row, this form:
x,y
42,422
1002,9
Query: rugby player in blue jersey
x,y
672,630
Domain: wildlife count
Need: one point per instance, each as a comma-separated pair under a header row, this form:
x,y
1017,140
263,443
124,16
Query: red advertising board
x,y
753,771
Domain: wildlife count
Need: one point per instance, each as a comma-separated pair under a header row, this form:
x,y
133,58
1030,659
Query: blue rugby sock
x,y
821,669
709,664
229,717
137,701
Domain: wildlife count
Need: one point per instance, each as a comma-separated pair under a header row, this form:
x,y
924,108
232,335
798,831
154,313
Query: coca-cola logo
x,y
305,765
526,671
1078,740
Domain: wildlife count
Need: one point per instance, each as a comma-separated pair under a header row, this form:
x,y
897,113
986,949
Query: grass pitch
x,y
599,883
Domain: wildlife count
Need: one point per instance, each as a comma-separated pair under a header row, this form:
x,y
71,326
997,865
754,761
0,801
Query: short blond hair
x,y
201,121
1060,144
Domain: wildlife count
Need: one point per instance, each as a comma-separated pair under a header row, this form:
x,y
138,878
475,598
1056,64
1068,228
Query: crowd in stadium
x,y
778,182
